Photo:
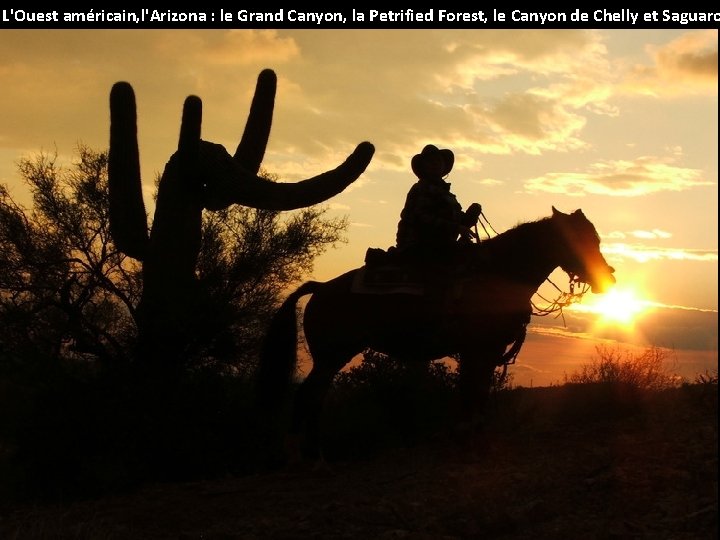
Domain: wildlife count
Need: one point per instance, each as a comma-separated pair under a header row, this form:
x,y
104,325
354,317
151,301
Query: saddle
x,y
388,272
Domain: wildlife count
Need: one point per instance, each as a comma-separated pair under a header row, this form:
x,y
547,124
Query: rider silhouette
x,y
432,219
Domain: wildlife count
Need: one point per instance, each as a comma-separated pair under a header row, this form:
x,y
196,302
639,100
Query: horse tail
x,y
278,356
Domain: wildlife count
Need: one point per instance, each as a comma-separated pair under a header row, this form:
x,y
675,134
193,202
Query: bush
x,y
646,371
384,402
708,378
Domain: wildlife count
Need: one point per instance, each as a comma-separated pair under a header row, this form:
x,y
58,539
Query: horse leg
x,y
304,437
474,385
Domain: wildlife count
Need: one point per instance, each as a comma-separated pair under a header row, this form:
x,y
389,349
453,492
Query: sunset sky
x,y
622,124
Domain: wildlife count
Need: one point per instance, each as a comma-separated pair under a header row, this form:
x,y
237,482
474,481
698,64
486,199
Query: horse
x,y
477,311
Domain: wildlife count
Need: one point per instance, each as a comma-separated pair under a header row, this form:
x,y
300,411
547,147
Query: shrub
x,y
646,370
708,378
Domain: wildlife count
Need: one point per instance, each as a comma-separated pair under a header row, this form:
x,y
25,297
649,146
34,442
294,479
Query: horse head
x,y
580,254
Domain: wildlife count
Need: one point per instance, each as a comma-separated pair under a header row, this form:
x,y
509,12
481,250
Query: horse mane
x,y
517,240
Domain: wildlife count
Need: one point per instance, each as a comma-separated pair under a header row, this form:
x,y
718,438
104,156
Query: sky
x,y
622,124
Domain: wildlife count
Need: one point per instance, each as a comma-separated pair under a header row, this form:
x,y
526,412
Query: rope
x,y
563,299
482,214
511,355
556,306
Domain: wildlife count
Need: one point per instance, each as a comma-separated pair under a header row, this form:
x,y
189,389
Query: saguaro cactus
x,y
199,175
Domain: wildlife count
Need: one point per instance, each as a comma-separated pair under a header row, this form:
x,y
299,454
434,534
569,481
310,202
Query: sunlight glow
x,y
619,306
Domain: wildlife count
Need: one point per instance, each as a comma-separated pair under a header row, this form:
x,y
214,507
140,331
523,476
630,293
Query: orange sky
x,y
620,123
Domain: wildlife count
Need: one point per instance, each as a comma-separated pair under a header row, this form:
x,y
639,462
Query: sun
x,y
618,306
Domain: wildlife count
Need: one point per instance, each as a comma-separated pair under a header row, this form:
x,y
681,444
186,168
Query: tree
x,y
66,291
78,410
248,259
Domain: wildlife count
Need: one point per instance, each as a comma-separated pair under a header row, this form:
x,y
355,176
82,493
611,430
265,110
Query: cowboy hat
x,y
431,152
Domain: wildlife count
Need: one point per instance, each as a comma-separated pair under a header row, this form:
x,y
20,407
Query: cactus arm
x,y
289,196
128,219
190,127
257,192
251,150
235,181
176,231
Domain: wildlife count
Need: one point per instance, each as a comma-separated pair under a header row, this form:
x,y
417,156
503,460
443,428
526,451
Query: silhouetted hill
x,y
573,461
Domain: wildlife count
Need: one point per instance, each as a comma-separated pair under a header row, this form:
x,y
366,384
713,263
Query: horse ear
x,y
555,211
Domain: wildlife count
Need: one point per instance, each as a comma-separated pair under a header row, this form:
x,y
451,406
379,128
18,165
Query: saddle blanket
x,y
388,279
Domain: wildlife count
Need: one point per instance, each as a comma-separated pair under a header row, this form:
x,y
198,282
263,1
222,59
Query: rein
x,y
511,354
556,306
564,298
482,215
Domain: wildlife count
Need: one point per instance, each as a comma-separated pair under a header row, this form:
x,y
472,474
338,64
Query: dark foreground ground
x,y
559,462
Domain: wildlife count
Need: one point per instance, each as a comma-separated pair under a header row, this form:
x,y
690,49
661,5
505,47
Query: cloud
x,y
658,325
487,182
497,53
240,47
527,123
645,254
338,206
562,331
434,86
621,178
650,235
491,92
640,234
562,71
688,65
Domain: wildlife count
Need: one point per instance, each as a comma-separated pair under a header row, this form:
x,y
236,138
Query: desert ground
x,y
557,462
